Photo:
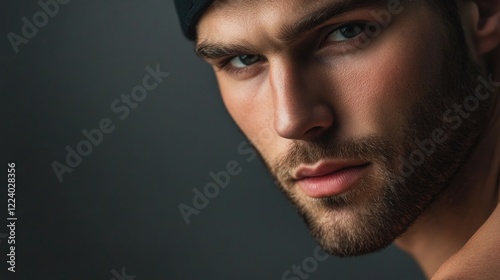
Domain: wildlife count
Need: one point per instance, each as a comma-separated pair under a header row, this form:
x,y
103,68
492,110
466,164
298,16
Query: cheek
x,y
250,107
381,84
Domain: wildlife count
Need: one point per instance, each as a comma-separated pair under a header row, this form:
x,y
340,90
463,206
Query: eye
x,y
347,32
246,60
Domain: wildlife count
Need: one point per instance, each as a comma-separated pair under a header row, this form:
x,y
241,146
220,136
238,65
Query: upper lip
x,y
324,168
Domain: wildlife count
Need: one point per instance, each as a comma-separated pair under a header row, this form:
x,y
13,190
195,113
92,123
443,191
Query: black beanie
x,y
189,12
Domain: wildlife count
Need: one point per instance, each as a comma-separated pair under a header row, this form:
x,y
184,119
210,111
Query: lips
x,y
329,178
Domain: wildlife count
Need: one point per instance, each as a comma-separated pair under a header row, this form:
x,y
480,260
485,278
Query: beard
x,y
388,199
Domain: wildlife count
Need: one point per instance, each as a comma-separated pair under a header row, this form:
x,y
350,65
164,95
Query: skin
x,y
305,87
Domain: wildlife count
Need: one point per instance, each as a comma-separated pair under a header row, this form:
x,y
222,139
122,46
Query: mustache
x,y
369,148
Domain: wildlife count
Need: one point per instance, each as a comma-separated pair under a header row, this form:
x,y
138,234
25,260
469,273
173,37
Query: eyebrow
x,y
210,51
289,33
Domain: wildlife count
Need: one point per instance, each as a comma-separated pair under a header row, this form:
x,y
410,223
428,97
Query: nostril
x,y
315,132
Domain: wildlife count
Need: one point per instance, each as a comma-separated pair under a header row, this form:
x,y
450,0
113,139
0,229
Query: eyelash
x,y
351,41
226,66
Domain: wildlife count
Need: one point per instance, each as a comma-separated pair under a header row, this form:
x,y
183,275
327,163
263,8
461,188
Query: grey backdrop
x,y
119,207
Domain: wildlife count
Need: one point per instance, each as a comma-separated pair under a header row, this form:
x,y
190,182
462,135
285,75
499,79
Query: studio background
x,y
118,210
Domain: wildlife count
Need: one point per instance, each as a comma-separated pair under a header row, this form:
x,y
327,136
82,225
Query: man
x,y
384,118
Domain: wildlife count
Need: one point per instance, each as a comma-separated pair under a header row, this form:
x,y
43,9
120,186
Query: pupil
x,y
249,59
351,31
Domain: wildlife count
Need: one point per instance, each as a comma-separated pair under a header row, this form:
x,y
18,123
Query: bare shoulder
x,y
479,258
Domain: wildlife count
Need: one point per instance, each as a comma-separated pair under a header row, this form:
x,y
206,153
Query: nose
x,y
301,110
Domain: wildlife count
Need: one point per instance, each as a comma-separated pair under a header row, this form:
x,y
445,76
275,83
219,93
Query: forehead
x,y
227,17
236,5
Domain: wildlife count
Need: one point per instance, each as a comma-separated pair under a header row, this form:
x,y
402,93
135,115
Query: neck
x,y
454,218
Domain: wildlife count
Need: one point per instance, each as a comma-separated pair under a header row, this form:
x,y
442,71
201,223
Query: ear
x,y
486,29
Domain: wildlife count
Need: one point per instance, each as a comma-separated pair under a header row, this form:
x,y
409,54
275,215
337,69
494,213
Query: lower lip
x,y
332,184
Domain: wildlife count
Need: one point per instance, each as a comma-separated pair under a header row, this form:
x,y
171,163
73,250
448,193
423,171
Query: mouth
x,y
329,178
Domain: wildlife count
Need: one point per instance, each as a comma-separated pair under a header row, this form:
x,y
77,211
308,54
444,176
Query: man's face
x,y
336,107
